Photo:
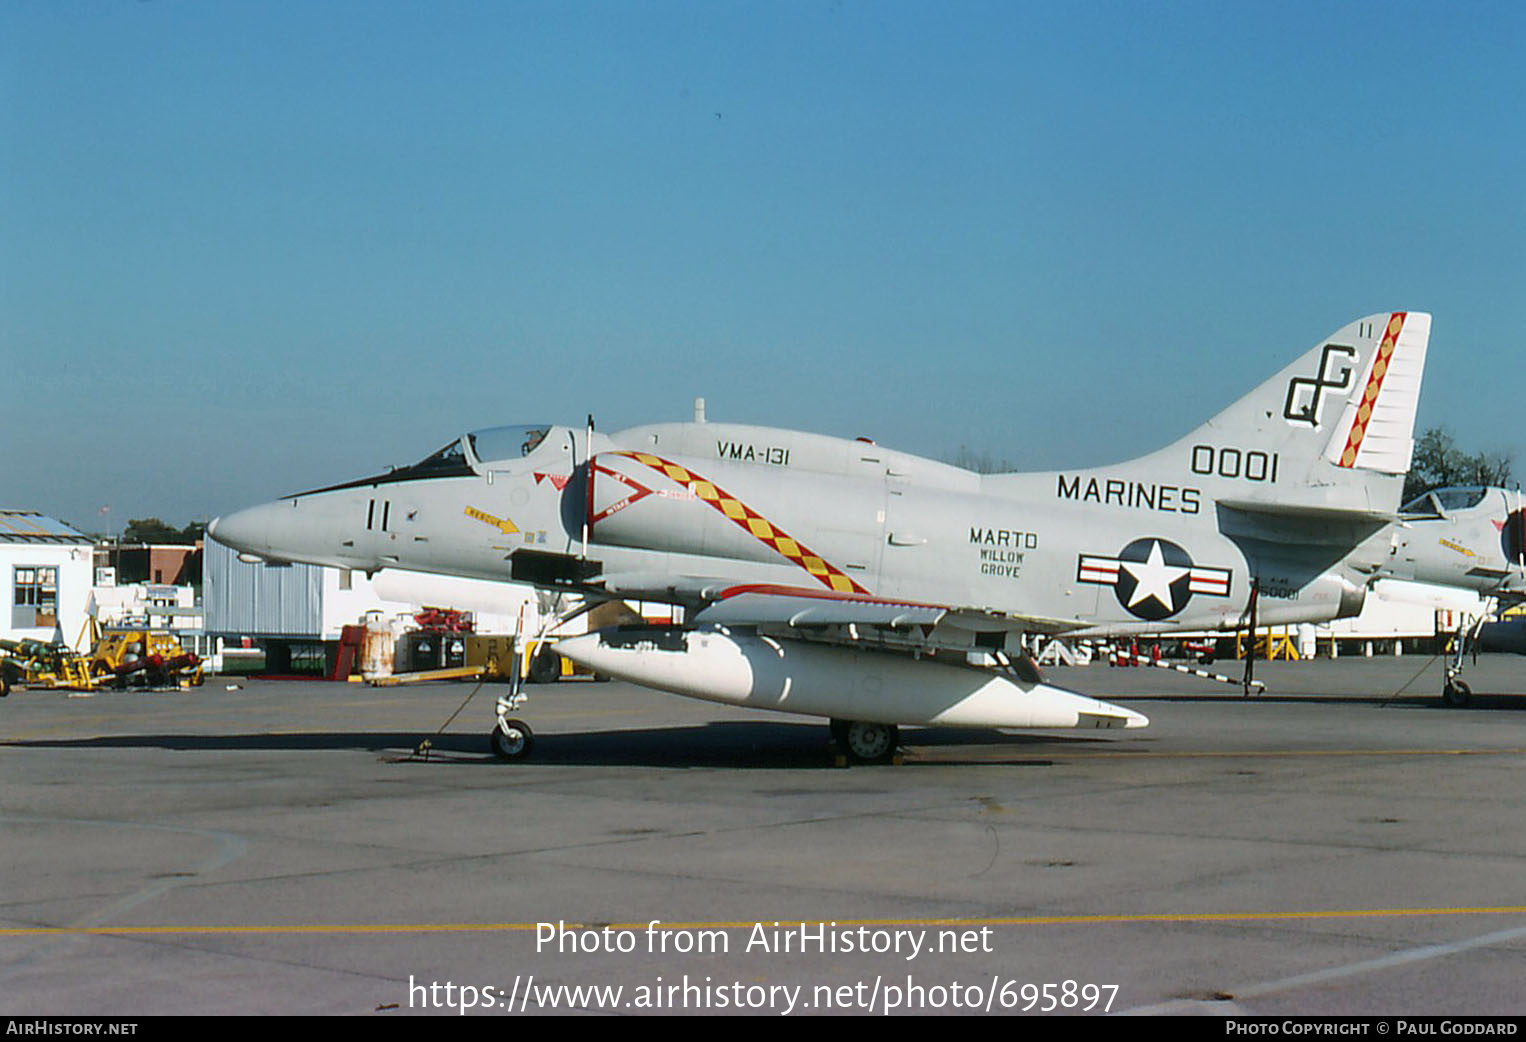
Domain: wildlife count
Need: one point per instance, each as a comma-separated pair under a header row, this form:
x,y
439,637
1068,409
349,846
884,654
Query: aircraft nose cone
x,y
244,530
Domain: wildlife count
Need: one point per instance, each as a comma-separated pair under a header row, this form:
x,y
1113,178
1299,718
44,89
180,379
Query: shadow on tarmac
x,y
739,744
1512,703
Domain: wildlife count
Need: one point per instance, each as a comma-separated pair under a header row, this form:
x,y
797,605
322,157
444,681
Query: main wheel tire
x,y
545,667
868,742
1456,694
512,740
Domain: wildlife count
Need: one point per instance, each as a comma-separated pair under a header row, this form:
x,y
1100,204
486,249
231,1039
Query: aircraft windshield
x,y
506,443
1443,500
449,461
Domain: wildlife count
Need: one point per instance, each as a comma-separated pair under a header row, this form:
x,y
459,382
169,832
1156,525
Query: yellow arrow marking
x,y
503,525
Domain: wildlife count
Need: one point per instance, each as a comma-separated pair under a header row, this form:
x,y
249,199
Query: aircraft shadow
x,y
1408,700
740,744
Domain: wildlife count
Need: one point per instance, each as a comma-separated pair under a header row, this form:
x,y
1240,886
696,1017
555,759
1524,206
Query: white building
x,y
153,605
49,567
305,603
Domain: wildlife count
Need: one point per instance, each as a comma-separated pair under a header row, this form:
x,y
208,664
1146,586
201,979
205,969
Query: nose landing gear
x,y
511,739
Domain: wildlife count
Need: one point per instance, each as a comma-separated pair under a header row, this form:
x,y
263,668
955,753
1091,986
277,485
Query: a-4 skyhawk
x,y
842,579
1470,538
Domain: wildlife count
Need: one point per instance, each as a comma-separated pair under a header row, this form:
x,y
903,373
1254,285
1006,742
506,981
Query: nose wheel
x,y
1456,693
511,739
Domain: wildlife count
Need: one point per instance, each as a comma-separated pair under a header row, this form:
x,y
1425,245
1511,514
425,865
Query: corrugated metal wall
x,y
260,600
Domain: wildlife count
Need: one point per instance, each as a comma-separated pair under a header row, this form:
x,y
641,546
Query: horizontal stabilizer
x,y
1298,511
1292,525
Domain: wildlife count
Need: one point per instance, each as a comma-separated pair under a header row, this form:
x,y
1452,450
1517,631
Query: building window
x,y
37,588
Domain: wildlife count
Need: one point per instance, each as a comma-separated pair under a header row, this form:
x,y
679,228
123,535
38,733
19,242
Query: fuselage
x,y
1138,550
1466,537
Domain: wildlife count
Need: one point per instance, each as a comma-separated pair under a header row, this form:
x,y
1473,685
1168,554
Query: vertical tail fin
x,y
1331,434
1332,431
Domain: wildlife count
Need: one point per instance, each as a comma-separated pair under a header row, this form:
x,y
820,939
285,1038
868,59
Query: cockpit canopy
x,y
1443,501
492,444
480,447
464,457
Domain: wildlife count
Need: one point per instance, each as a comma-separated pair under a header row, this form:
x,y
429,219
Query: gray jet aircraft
x,y
1469,538
842,579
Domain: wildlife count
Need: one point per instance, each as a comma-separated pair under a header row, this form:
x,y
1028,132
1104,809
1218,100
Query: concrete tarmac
x,y
1339,845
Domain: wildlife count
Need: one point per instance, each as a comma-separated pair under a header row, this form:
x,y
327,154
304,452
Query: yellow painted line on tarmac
x,y
1027,920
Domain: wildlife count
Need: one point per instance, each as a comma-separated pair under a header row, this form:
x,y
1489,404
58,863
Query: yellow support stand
x,y
1270,645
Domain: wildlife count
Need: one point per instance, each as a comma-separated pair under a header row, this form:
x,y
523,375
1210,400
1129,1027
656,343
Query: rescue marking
x,y
503,524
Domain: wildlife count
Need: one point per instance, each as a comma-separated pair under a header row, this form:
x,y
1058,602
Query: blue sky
x,y
250,248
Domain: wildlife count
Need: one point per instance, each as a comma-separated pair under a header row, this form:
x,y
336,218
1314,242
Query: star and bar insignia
x,y
1153,578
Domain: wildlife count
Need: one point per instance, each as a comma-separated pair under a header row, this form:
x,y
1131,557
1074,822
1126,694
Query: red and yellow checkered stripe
x,y
1374,385
754,523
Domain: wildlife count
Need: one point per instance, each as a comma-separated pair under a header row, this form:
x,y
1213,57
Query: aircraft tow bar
x,y
1139,660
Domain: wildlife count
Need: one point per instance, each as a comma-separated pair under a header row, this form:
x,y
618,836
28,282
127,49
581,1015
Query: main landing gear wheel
x,y
512,740
866,742
1456,694
545,667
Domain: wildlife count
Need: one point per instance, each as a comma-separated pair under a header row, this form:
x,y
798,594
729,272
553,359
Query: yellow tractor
x,y
119,659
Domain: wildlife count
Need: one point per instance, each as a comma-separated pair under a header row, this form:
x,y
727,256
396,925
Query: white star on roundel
x,y
1153,578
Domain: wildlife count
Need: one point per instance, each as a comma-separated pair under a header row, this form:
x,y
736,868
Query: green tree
x,y
1438,462
153,530
981,462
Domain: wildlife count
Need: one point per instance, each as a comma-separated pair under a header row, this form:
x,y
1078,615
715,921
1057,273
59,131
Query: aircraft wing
x,y
795,606
802,607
